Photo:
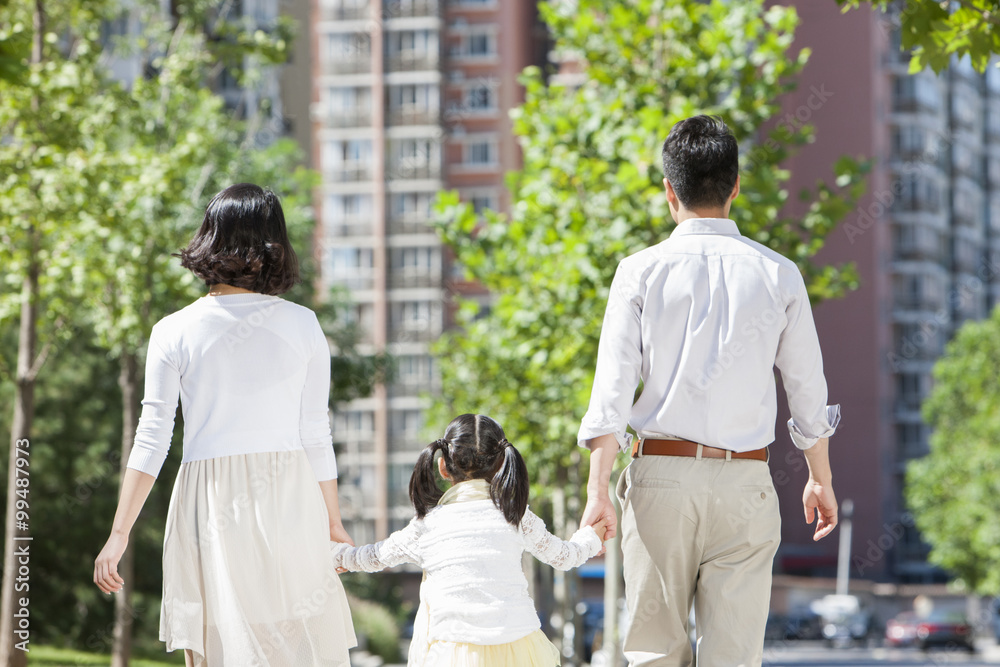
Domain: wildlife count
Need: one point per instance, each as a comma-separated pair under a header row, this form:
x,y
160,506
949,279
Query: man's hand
x,y
599,510
819,502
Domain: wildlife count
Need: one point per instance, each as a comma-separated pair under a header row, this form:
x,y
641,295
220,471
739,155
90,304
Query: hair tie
x,y
506,443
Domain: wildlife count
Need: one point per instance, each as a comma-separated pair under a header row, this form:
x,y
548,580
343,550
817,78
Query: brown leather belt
x,y
655,447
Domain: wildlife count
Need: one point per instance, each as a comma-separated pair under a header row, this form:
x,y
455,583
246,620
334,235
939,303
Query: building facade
x,y
409,97
926,241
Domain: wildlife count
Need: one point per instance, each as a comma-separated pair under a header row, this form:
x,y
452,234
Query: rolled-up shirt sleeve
x,y
314,424
159,407
619,363
800,362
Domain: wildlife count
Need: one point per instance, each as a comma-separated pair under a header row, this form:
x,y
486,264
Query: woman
x,y
247,576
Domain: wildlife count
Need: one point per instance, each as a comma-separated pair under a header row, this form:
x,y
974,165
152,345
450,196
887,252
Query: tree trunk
x,y
16,538
128,380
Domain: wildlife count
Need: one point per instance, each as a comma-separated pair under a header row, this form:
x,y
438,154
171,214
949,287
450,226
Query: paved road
x,y
802,654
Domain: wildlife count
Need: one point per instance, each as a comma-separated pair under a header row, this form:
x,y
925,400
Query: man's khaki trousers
x,y
702,531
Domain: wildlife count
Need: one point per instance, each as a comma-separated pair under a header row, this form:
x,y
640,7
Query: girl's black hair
x,y
473,447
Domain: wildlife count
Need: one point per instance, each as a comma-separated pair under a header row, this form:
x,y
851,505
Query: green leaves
x,y
934,31
954,492
590,193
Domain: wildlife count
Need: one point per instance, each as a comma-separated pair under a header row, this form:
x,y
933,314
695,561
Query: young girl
x,y
474,605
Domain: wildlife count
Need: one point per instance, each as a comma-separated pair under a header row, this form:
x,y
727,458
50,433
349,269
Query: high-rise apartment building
x,y
409,97
926,240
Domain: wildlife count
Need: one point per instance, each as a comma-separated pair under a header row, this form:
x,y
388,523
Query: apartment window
x,y
481,152
412,315
347,46
351,267
918,193
482,203
406,422
415,43
415,369
912,439
412,205
346,207
917,241
911,388
349,99
476,42
967,204
964,107
415,260
480,97
353,424
917,92
967,254
909,142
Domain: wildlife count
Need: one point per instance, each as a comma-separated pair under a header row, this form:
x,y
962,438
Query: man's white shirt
x,y
702,319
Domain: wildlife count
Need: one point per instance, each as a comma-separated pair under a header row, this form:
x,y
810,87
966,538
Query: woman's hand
x,y
106,564
339,534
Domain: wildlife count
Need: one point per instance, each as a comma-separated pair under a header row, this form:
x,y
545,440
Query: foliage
x,y
954,492
590,193
935,31
376,629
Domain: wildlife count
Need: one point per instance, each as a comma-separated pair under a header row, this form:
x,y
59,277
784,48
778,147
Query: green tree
x,y
48,105
936,30
954,491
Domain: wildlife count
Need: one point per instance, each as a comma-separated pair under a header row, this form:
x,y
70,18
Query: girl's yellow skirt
x,y
534,650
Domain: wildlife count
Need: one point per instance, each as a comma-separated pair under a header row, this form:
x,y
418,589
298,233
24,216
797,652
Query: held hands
x,y
339,534
600,513
818,501
106,564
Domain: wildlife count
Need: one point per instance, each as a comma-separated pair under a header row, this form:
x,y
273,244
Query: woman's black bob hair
x,y
243,242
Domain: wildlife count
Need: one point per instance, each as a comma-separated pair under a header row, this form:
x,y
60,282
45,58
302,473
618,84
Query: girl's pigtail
x,y
509,488
424,489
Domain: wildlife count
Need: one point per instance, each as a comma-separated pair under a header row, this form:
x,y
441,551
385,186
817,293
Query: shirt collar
x,y
473,489
723,226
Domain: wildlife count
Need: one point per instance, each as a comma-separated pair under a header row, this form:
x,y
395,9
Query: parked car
x,y
938,629
849,629
797,625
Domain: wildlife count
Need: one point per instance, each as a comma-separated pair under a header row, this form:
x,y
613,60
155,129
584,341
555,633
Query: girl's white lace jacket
x,y
474,587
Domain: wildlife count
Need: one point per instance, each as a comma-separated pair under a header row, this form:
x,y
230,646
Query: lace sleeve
x,y
560,554
400,547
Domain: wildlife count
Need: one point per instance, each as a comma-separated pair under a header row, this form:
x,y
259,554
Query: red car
x,y
946,629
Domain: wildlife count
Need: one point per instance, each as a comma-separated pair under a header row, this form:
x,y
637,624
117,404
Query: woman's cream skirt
x,y
247,576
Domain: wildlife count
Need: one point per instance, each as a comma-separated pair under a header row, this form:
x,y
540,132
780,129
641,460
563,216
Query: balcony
x,y
412,61
345,13
413,115
361,117
349,172
410,171
357,64
350,226
410,223
403,278
411,8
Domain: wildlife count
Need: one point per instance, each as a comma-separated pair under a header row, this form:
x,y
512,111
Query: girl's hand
x,y
601,528
106,564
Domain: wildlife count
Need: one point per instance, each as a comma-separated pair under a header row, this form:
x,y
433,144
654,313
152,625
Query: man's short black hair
x,y
701,159
243,242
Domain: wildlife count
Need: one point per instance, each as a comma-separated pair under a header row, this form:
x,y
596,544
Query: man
x,y
702,319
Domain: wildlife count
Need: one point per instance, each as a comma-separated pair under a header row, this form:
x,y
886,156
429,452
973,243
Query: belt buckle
x,y
637,448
